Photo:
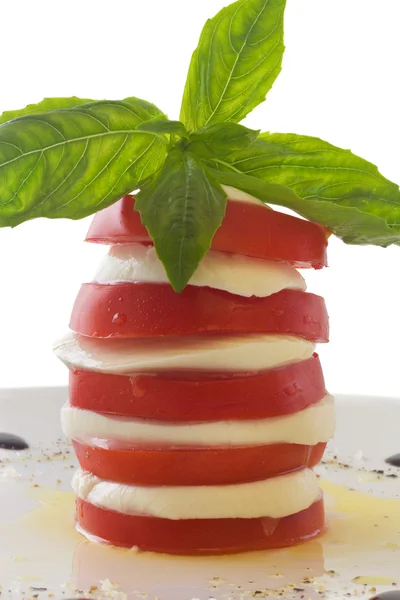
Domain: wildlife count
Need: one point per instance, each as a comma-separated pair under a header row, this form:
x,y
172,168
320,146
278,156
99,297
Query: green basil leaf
x,y
71,163
182,209
267,192
325,184
165,126
220,139
237,60
44,106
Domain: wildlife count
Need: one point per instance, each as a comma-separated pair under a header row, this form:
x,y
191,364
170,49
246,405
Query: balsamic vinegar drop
x,y
9,441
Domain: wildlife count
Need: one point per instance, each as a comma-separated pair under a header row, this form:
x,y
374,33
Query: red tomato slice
x,y
200,536
210,466
199,397
153,309
246,229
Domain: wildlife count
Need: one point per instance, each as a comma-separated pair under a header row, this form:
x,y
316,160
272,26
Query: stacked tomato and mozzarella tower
x,y
197,418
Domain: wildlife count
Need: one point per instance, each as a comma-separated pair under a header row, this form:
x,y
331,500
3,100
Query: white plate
x,y
40,549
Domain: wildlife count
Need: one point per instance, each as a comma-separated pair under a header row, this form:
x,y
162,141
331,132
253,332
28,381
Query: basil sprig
x,y
190,206
70,157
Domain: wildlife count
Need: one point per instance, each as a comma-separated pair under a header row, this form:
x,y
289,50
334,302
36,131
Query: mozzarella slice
x,y
309,427
248,353
276,497
234,273
237,195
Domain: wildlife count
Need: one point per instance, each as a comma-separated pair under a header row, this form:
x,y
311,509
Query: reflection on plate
x,y
41,553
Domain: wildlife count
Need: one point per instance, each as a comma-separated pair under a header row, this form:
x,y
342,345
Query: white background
x,y
339,82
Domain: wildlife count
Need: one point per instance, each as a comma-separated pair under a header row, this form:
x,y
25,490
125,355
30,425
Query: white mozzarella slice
x,y
234,273
243,353
236,195
309,426
276,497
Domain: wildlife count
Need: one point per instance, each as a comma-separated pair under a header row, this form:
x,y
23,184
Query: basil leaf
x,y
271,193
237,60
181,208
71,163
325,184
220,139
165,126
45,105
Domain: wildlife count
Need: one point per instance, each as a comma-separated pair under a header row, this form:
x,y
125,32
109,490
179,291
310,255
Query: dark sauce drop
x,y
8,441
394,460
392,595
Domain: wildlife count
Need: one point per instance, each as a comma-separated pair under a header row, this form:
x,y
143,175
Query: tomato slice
x,y
208,466
200,536
153,309
200,397
246,229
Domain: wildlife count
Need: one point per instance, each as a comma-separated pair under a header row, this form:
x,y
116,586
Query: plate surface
x,y
42,556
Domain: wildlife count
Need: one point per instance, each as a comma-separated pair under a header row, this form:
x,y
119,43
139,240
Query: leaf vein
x,y
79,139
215,109
97,174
